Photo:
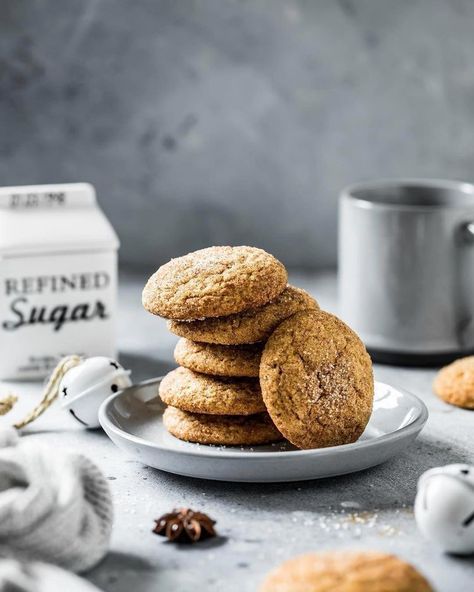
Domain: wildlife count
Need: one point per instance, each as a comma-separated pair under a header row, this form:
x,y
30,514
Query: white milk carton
x,y
58,278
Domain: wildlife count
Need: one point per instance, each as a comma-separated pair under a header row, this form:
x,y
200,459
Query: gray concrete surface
x,y
228,121
259,525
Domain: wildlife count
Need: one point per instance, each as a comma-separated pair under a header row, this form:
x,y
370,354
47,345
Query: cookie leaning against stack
x,y
316,379
215,396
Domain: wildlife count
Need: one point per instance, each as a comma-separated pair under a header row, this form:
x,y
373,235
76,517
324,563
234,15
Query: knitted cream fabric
x,y
54,506
16,577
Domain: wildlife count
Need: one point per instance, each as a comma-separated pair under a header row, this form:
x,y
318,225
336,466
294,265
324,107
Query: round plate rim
x,y
207,451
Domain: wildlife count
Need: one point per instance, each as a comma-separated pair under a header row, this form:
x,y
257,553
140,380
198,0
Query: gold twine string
x,y
7,403
50,392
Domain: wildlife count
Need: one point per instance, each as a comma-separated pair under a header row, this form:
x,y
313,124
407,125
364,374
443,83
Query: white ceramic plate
x,y
133,420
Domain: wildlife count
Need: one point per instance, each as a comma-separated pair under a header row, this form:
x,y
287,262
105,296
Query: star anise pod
x,y
183,525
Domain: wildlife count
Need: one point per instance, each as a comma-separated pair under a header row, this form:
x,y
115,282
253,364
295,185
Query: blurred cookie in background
x,y
454,383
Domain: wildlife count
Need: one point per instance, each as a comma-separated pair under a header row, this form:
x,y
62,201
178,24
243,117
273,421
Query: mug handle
x,y
467,232
465,284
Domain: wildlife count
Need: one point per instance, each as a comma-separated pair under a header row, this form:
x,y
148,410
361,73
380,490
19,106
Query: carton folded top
x,y
53,218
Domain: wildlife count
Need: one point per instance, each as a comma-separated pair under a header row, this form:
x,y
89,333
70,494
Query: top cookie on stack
x,y
214,282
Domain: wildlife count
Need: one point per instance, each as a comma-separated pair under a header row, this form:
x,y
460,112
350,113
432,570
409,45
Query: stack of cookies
x,y
258,360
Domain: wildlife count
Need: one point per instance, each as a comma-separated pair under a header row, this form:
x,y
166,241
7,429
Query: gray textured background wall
x,y
225,121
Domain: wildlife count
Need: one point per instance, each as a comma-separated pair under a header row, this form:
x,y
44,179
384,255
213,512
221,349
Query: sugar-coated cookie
x,y
346,571
201,393
249,326
219,360
455,383
317,381
226,430
214,282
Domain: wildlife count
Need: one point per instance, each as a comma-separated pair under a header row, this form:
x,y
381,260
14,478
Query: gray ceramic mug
x,y
406,268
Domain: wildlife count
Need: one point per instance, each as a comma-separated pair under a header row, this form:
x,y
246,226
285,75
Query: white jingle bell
x,y
83,388
444,507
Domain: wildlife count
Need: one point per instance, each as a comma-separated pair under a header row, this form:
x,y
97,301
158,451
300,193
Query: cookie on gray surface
x,y
455,383
345,571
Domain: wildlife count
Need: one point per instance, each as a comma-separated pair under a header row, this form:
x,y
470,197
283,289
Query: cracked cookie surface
x,y
317,381
200,393
346,571
214,282
225,430
219,360
249,326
